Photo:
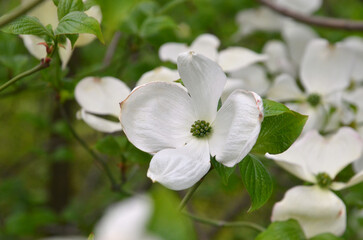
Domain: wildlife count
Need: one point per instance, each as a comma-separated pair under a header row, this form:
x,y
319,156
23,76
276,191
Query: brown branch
x,y
313,20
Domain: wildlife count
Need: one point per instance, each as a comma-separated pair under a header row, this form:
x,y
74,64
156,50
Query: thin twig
x,y
111,49
189,194
317,21
5,19
41,66
220,223
114,185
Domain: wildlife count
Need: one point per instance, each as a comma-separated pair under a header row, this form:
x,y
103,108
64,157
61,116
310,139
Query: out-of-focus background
x,y
50,185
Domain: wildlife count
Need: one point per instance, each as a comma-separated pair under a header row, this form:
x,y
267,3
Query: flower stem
x,y
220,223
35,69
114,185
189,194
5,19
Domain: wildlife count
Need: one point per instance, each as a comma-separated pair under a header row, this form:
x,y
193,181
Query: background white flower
x,y
101,96
318,160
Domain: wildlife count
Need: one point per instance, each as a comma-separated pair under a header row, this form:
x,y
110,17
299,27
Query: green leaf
x,y
272,108
153,25
28,25
88,4
257,181
109,146
279,129
326,236
56,2
67,6
73,38
223,171
79,22
287,230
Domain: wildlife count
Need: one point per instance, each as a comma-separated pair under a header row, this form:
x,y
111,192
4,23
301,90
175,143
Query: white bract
x,y
301,6
126,220
324,73
230,59
158,117
101,96
160,74
318,160
46,12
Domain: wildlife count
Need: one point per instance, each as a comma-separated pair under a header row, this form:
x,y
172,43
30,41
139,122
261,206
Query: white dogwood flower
x,y
318,159
126,220
183,128
324,73
159,74
100,96
46,12
230,59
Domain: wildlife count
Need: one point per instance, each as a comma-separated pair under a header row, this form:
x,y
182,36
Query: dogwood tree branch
x,y
18,11
44,64
314,20
189,194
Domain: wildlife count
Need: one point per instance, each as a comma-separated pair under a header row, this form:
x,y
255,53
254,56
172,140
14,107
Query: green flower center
x,y
314,99
324,180
201,129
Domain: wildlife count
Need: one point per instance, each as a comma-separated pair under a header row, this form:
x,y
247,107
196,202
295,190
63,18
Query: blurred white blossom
x,y
101,96
318,159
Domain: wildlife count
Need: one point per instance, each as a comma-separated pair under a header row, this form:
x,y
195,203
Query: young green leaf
x,y
88,4
56,2
223,171
73,38
79,22
257,181
67,6
278,132
109,146
28,25
286,230
272,108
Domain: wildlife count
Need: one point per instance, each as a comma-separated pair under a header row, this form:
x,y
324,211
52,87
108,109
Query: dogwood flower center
x,y
324,180
313,99
201,129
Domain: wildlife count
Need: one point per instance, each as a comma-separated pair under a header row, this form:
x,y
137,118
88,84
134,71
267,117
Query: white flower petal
x,y
278,59
156,116
46,12
204,80
207,45
171,51
358,178
100,124
127,219
318,154
297,36
236,128
160,74
285,88
232,84
356,97
235,58
254,78
65,53
317,210
101,95
84,38
260,19
301,6
32,44
65,238
356,44
182,167
326,68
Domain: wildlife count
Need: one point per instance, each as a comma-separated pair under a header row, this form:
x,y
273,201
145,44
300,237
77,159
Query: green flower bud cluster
x,y
201,129
313,99
324,180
